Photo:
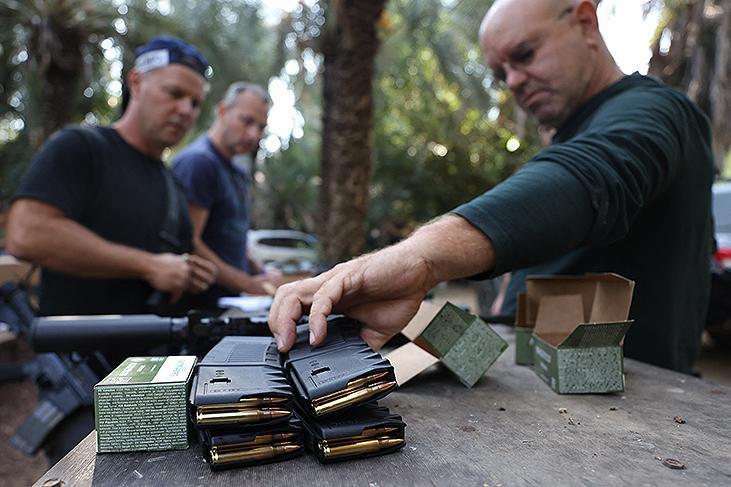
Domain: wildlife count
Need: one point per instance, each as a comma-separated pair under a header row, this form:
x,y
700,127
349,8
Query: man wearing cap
x,y
98,210
218,189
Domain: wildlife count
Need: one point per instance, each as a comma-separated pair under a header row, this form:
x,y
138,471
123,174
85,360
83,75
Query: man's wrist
x,y
449,248
144,265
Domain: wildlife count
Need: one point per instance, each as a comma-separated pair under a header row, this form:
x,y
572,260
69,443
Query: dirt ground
x,y
17,400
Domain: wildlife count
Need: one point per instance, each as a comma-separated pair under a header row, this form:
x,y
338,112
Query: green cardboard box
x,y
580,322
464,343
142,405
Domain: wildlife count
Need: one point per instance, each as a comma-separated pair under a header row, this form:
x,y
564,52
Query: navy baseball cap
x,y
164,50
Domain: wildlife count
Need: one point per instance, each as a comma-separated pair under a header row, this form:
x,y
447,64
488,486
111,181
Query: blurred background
x,y
438,120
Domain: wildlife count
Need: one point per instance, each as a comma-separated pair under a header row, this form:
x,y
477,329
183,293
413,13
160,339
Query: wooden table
x,y
507,430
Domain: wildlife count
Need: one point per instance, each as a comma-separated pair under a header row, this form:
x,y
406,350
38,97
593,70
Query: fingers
x,y
323,302
290,302
202,273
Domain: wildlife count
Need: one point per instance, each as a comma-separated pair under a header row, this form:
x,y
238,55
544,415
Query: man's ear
x,y
134,78
221,109
585,15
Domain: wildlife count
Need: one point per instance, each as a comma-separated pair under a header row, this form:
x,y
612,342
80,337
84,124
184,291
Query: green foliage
x,y
36,40
435,145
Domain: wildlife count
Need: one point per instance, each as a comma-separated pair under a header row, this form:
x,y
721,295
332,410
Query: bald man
x,y
624,187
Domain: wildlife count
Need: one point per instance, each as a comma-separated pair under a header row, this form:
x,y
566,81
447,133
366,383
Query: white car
x,y
284,248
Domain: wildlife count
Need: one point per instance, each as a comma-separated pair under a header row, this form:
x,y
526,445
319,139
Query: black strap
x,y
171,224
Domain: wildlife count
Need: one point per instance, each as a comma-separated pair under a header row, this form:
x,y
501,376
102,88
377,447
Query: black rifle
x,y
66,378
194,334
65,382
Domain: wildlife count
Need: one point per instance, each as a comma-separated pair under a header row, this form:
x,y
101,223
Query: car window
x,y
290,243
722,211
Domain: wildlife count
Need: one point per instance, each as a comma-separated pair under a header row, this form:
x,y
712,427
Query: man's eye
x,y
523,57
499,75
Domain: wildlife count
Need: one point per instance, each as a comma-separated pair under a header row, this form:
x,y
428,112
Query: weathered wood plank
x,y
506,430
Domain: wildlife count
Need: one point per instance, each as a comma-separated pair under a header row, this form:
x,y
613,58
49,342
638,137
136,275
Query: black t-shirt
x,y
119,193
625,188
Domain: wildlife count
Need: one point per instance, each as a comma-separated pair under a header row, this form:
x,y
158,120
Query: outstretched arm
x,y
383,290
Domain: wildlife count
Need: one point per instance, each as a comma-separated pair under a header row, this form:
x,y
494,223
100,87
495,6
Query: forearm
x,y
62,245
450,247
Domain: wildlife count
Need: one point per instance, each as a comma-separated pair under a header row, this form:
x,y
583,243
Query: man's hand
x,y
382,290
169,273
176,274
203,274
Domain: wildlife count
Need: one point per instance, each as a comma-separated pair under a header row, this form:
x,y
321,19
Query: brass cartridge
x,y
245,416
254,454
354,397
365,435
360,447
247,403
258,440
352,386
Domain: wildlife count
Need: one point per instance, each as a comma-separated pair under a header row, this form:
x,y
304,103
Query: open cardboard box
x,y
464,343
580,322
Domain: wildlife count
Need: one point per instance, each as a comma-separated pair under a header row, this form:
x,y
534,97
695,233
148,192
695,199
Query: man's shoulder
x,y
647,92
77,137
197,165
643,103
198,151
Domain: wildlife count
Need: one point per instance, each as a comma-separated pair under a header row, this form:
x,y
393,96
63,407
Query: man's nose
x,y
254,132
186,106
514,78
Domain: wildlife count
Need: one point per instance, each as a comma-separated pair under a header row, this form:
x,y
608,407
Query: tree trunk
x,y
349,48
56,49
698,62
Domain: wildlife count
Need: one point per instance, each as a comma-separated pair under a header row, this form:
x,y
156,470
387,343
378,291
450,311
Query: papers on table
x,y
248,304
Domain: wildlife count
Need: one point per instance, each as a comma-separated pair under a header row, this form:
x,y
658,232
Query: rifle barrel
x,y
101,332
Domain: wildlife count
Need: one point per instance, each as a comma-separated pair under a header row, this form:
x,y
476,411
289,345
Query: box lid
x,y
597,335
410,360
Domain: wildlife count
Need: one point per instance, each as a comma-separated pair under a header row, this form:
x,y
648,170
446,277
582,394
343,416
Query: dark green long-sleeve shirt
x,y
625,188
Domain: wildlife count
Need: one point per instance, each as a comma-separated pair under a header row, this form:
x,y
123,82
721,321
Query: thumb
x,y
375,338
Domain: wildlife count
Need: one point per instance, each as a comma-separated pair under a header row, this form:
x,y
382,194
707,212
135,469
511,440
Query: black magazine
x,y
240,383
341,373
364,431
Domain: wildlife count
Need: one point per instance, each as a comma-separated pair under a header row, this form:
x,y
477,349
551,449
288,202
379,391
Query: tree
x,y
444,132
50,52
349,46
693,53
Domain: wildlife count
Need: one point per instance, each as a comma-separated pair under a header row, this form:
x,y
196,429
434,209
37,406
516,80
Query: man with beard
x,y
218,190
624,187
